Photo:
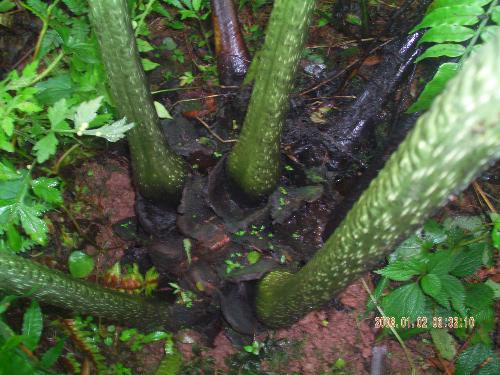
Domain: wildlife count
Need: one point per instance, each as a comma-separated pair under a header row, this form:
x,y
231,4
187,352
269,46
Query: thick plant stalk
x,y
230,48
254,162
158,172
450,144
24,277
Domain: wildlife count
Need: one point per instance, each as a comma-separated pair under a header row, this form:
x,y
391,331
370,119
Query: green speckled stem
x,y
255,160
158,172
23,277
450,144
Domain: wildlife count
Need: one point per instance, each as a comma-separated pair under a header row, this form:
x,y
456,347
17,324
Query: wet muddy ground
x,y
346,117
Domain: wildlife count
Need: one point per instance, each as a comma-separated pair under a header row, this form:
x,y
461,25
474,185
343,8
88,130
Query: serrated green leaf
x,y
162,111
463,15
495,287
468,261
444,343
47,189
495,15
447,33
54,89
50,357
14,239
144,45
38,7
196,4
29,107
45,147
455,291
57,113
34,227
170,364
478,296
441,262
445,49
80,264
112,132
478,360
407,300
78,7
408,249
431,285
86,112
32,325
434,232
149,65
402,270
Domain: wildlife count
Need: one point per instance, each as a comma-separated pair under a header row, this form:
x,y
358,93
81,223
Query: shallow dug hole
x,y
338,338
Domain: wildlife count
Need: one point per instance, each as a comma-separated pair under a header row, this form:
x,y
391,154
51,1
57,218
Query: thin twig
x,y
215,134
481,192
394,332
194,99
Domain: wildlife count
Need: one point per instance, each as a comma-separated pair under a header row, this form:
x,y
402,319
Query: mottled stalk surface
x,y
158,172
254,163
23,277
450,145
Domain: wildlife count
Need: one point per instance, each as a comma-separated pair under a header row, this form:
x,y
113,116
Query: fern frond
x,y
449,23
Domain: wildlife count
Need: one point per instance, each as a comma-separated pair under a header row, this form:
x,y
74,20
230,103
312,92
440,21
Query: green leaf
x,y
29,107
431,285
409,248
455,291
402,270
169,44
478,360
144,45
32,325
478,296
468,261
161,110
253,257
54,89
111,132
441,262
383,283
447,33
446,3
47,189
495,232
353,19
453,15
14,239
7,125
495,287
434,232
444,343
35,227
495,15
407,300
80,264
38,7
50,357
6,5
78,7
57,113
86,112
46,147
446,49
149,65
8,172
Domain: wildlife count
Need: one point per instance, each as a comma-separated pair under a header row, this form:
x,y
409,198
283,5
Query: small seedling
x,y
254,348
